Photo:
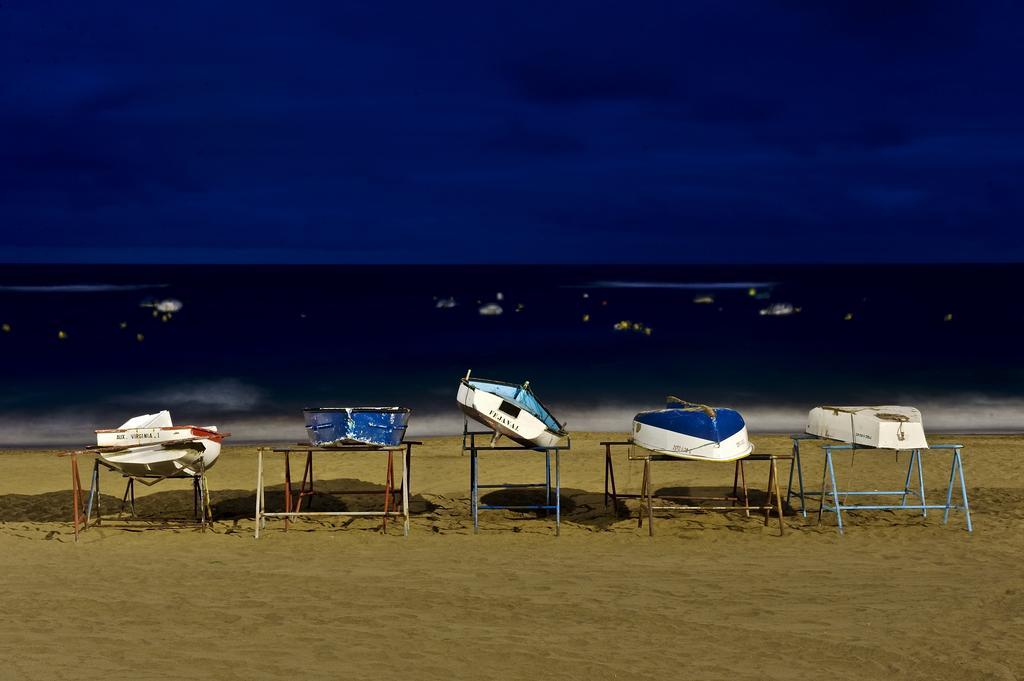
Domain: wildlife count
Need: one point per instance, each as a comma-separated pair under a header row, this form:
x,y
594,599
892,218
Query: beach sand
x,y
710,596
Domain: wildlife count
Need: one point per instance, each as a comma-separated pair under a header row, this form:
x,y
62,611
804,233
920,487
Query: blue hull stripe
x,y
726,423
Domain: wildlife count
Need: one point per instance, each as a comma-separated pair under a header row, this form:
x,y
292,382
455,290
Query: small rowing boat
x,y
151,446
693,431
885,427
511,410
338,426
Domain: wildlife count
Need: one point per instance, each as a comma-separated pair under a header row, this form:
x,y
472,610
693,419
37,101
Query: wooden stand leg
x,y
259,492
406,465
306,486
735,481
643,498
746,495
287,488
778,498
195,499
76,494
650,498
389,485
96,495
129,497
821,497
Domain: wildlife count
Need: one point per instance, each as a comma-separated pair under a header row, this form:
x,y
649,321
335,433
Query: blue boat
x,y
693,431
337,426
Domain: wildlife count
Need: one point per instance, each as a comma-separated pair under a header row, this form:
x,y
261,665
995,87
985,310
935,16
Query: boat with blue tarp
x,y
511,410
338,426
693,431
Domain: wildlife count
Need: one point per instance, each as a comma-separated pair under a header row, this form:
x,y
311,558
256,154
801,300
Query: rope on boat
x,y
691,406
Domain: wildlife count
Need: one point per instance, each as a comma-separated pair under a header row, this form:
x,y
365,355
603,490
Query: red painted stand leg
x,y
306,486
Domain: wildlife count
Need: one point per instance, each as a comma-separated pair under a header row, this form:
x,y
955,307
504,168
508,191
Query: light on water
x,y
590,350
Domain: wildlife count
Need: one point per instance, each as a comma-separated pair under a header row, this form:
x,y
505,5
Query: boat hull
x,y
150,446
687,434
505,417
883,427
173,459
130,437
336,426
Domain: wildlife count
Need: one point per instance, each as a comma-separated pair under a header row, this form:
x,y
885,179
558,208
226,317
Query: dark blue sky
x,y
766,131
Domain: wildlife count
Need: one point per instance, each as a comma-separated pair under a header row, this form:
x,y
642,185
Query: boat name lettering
x,y
502,419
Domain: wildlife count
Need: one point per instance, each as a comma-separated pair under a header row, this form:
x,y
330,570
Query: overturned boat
x,y
151,446
511,410
338,426
885,427
693,431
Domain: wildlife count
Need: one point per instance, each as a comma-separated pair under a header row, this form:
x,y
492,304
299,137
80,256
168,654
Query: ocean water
x,y
252,345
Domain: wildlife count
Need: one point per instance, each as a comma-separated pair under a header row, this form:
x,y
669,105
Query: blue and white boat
x,y
511,410
337,426
693,431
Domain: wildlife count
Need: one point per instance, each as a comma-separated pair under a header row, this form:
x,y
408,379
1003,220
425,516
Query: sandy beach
x,y
710,596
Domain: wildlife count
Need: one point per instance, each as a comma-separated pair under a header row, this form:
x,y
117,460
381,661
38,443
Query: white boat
x,y
885,427
150,445
490,310
510,410
693,431
778,310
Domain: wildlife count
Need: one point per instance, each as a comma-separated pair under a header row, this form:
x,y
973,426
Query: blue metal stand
x,y
830,492
794,465
552,494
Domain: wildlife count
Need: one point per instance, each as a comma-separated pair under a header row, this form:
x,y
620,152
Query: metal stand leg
x,y
76,494
835,491
389,484
547,479
821,497
957,466
406,465
920,481
949,489
473,500
408,457
306,486
195,499
650,497
608,476
794,464
94,491
735,481
778,497
963,488
906,483
206,497
746,494
558,495
129,497
643,496
287,487
259,491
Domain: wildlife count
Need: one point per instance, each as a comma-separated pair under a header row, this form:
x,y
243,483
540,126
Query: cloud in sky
x,y
514,132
